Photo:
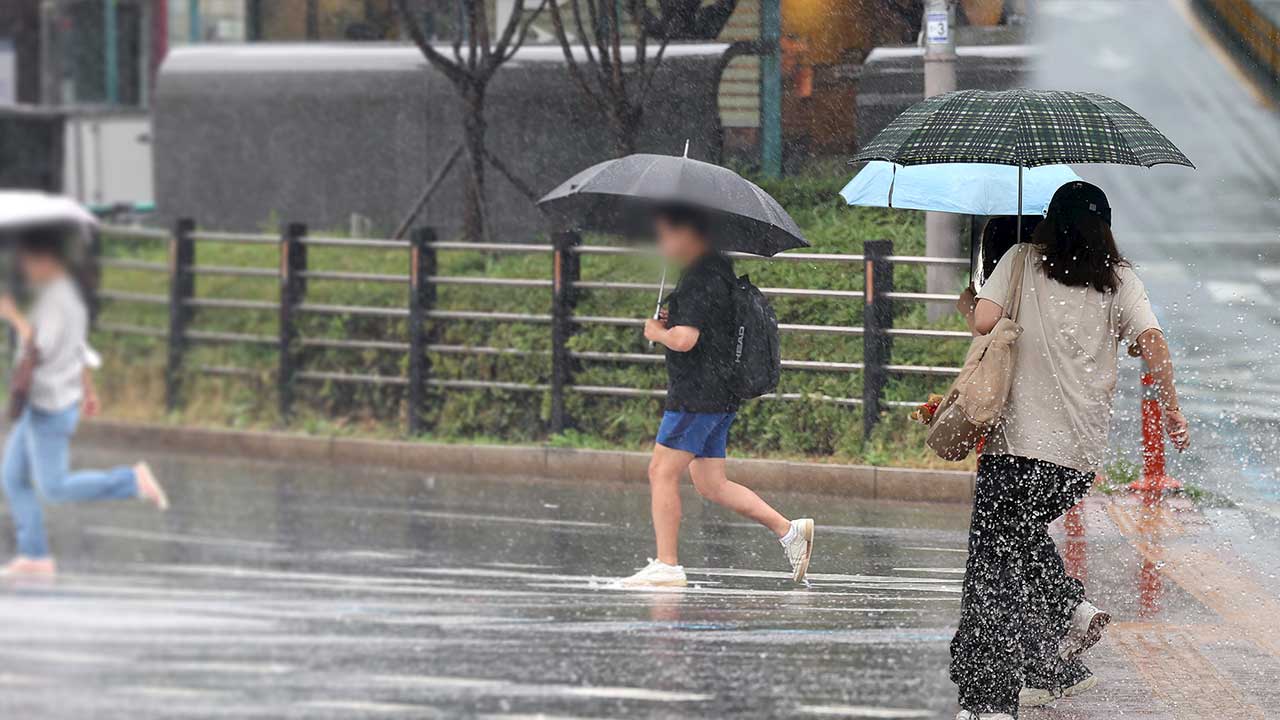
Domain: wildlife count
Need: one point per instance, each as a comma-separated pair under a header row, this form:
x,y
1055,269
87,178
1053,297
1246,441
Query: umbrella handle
x,y
662,286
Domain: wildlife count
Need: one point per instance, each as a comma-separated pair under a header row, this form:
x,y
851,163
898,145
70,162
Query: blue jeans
x,y
37,456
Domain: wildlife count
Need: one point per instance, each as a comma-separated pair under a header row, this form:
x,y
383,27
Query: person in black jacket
x,y
697,328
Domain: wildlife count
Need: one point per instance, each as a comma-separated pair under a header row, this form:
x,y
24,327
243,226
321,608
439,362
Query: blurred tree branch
x,y
473,58
618,81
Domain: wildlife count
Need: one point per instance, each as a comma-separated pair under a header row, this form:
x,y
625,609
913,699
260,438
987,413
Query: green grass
x,y
133,387
1118,474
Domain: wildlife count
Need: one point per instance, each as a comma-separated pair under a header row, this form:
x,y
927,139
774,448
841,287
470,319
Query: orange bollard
x,y
1154,480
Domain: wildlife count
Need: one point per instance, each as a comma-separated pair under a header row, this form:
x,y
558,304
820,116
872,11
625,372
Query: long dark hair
x,y
1077,244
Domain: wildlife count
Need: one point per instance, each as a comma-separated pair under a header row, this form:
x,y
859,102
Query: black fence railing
x,y
424,318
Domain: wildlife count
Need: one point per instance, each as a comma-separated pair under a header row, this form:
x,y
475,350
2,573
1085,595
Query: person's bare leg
x,y
713,484
665,469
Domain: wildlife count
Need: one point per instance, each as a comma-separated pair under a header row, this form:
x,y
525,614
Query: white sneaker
x,y
800,548
1035,697
149,488
656,574
1042,691
969,715
1084,630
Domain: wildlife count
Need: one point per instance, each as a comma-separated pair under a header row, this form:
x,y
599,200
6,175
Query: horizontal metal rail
x,y
483,350
142,233
641,392
230,337
653,358
787,256
596,356
487,316
130,264
488,281
926,297
815,294
231,370
125,296
339,344
365,378
232,238
922,369
822,366
920,260
400,279
128,329
354,276
231,304
936,334
322,309
604,320
823,329
451,245
488,385
901,403
776,292
612,285
784,327
369,243
233,271
615,391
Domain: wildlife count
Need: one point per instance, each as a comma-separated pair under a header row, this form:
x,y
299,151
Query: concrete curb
x,y
856,481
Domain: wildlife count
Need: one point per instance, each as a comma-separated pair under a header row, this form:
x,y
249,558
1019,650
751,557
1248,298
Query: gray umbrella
x,y
618,196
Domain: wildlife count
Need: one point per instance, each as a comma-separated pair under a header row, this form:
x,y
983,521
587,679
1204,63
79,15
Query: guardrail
x,y
423,317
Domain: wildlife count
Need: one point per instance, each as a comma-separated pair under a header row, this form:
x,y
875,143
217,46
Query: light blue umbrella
x,y
964,188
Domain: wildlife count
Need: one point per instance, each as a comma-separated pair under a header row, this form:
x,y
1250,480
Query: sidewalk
x,y
1196,633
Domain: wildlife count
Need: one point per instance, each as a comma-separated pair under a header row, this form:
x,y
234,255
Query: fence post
x,y
182,286
422,298
877,319
566,268
293,288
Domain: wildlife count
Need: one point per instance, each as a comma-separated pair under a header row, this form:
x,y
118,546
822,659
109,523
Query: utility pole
x,y
194,31
941,230
771,88
110,53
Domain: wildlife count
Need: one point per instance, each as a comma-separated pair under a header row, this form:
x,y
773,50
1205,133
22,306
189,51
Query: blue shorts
x,y
703,434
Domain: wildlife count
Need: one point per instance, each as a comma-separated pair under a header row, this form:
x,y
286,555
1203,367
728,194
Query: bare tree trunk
x,y
473,220
624,121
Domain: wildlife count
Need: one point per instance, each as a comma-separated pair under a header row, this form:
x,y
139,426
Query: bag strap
x,y
1013,301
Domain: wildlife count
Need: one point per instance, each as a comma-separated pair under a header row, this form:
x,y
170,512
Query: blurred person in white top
x,y
36,461
1024,622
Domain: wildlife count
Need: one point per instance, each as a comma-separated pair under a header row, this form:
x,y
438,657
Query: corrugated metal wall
x,y
740,87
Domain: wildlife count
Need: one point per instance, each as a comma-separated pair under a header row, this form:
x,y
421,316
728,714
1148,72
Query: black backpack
x,y
757,356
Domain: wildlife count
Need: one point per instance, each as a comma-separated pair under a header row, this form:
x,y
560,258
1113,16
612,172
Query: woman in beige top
x,y
1024,622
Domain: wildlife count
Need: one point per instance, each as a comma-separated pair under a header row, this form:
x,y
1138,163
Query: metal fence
x,y
566,253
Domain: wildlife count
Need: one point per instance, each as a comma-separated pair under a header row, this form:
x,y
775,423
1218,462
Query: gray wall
x,y
313,133
31,148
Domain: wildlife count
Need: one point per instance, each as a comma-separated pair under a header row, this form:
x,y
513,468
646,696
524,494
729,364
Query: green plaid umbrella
x,y
1027,128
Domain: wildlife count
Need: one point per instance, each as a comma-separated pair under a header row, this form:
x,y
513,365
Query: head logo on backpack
x,y
757,356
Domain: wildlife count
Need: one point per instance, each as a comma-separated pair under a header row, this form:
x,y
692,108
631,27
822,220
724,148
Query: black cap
x,y
1080,195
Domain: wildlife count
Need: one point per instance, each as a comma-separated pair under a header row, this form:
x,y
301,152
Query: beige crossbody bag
x,y
975,403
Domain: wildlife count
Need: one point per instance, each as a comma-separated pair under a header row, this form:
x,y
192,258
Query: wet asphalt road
x,y
307,592
1206,241
270,592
